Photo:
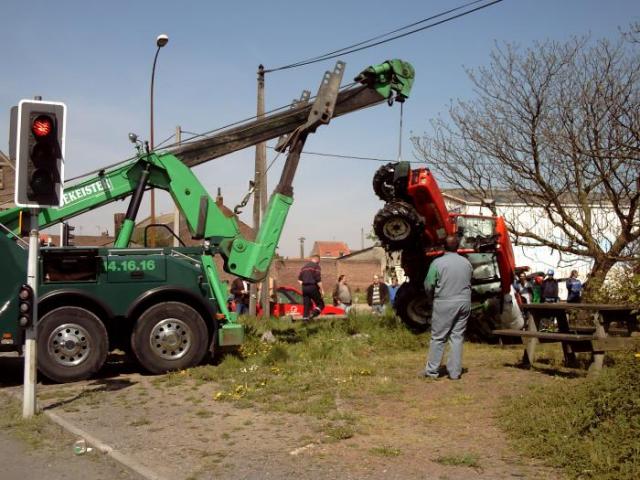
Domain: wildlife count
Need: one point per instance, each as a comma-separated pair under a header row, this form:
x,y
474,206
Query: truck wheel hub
x,y
397,229
170,338
69,345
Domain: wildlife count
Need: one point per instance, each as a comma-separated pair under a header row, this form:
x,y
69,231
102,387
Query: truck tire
x,y
383,182
72,344
398,226
169,336
413,307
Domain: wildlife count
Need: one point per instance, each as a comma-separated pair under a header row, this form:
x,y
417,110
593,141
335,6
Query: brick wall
x,y
7,180
359,272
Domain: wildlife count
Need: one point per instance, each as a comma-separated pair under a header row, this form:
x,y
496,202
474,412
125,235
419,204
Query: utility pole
x,y
260,194
302,239
176,211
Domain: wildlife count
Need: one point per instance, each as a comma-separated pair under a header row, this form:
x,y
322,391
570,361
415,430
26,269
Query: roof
x,y
465,196
371,253
509,197
85,240
330,249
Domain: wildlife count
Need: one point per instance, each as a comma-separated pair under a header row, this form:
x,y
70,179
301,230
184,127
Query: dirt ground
x,y
414,429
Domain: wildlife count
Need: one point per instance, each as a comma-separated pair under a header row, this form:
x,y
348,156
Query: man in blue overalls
x,y
449,280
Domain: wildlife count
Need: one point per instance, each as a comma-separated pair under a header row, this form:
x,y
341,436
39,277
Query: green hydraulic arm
x,y
170,170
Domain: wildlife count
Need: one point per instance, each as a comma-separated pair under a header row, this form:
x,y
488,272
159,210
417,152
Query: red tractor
x,y
415,221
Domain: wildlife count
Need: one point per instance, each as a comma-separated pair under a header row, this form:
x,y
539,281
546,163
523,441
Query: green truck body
x,y
167,306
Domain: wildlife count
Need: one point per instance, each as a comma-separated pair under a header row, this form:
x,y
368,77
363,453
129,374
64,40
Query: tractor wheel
x,y
413,307
169,336
398,226
480,326
383,182
72,344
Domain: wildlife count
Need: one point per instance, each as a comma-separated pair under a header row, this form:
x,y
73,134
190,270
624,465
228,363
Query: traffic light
x,y
40,135
25,306
67,236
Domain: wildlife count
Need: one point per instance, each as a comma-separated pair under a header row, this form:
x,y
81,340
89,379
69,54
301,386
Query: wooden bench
x,y
593,339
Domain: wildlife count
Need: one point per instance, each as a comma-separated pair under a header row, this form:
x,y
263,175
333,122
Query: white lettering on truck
x,y
87,190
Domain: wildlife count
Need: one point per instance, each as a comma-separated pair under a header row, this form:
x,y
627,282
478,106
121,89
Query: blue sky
x,y
97,56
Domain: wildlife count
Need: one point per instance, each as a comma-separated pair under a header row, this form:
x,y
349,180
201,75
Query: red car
x,y
290,303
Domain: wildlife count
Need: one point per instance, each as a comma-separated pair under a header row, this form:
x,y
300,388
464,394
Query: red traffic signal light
x,y
42,126
39,146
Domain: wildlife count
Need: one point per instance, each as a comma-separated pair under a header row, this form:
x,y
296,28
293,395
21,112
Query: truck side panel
x,y
13,264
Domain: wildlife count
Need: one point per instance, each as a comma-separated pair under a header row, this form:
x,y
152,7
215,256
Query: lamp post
x,y
161,41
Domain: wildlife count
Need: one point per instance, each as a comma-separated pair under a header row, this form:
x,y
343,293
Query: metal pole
x,y
176,211
152,236
261,152
258,178
400,135
30,338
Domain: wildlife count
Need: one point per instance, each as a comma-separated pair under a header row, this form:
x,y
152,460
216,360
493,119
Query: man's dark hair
x,y
451,243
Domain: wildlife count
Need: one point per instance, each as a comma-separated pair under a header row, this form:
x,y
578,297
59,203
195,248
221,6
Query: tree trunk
x,y
601,267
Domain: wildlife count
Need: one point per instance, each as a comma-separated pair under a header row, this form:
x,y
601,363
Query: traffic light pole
x,y
30,345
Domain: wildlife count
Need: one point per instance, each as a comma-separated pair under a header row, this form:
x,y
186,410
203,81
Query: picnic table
x,y
581,327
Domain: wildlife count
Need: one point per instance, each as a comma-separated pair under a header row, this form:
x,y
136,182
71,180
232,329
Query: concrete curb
x,y
101,446
128,462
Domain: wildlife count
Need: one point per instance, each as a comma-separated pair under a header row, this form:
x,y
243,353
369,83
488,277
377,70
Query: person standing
x,y
524,288
537,289
240,293
377,295
449,282
574,288
549,289
310,278
342,294
393,289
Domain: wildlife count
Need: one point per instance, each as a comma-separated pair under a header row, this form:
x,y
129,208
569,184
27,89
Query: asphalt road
x,y
19,462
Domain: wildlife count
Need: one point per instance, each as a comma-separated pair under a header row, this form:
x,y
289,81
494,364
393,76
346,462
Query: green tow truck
x,y
166,305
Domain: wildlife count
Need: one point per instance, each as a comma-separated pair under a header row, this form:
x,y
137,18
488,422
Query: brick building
x,y
326,249
359,267
7,180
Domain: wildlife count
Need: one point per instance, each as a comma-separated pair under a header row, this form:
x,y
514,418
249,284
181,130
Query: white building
x,y
535,220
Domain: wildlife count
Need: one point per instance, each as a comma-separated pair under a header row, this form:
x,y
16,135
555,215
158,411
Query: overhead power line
x,y
336,155
356,47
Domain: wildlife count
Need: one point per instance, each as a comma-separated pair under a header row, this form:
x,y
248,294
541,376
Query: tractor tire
x,y
480,327
398,226
383,182
72,344
413,307
169,336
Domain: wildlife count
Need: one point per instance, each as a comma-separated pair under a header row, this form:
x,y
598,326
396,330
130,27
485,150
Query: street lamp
x,y
161,41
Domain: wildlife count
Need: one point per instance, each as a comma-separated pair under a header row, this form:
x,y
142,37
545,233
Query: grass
x,y
38,432
311,368
140,422
469,460
385,451
589,427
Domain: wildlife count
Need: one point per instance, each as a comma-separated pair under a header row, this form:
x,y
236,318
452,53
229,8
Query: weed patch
x,y
470,460
385,451
140,422
589,427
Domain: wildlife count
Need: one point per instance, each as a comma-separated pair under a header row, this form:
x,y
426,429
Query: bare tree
x,y
558,127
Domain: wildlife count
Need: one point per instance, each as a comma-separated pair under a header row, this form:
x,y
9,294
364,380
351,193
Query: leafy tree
x,y
557,126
